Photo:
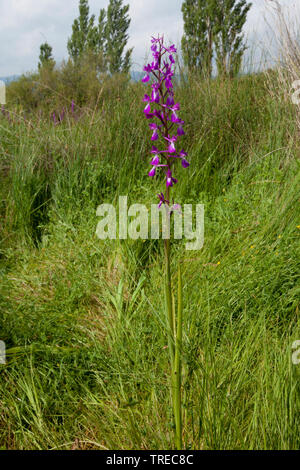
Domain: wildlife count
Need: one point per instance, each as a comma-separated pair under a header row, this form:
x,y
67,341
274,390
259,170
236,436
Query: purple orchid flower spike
x,y
160,105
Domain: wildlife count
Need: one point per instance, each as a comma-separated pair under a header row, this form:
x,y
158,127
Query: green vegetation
x,y
46,58
87,364
231,16
213,29
106,40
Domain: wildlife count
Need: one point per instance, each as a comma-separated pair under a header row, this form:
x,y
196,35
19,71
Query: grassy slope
x,y
87,365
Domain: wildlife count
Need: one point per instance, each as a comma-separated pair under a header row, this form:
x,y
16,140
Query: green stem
x,y
174,343
169,308
177,367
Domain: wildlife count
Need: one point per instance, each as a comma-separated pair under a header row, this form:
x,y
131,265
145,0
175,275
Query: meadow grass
x,y
83,319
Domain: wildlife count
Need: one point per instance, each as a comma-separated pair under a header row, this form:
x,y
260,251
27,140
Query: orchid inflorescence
x,y
62,115
165,112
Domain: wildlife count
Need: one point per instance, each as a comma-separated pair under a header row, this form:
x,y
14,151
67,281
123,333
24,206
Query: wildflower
x,y
154,128
170,179
156,164
161,69
166,112
147,109
180,131
162,200
146,78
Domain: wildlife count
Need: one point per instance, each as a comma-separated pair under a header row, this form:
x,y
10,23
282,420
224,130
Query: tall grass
x,y
87,360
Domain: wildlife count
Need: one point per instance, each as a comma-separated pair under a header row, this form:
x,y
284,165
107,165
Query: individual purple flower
x,y
171,49
154,128
184,162
162,200
155,93
180,131
174,117
170,101
146,78
172,140
170,180
147,111
156,164
168,82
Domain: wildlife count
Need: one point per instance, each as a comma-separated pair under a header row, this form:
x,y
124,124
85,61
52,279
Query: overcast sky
x,y
25,24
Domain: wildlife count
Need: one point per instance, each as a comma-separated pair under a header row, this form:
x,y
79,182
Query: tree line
x,y
213,34
105,39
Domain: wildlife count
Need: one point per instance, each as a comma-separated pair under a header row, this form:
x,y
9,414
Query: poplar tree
x,y
81,31
116,37
96,36
214,26
95,46
197,43
229,39
46,58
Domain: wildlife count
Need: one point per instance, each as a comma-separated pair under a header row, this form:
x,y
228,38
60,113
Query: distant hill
x,y
135,76
10,79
